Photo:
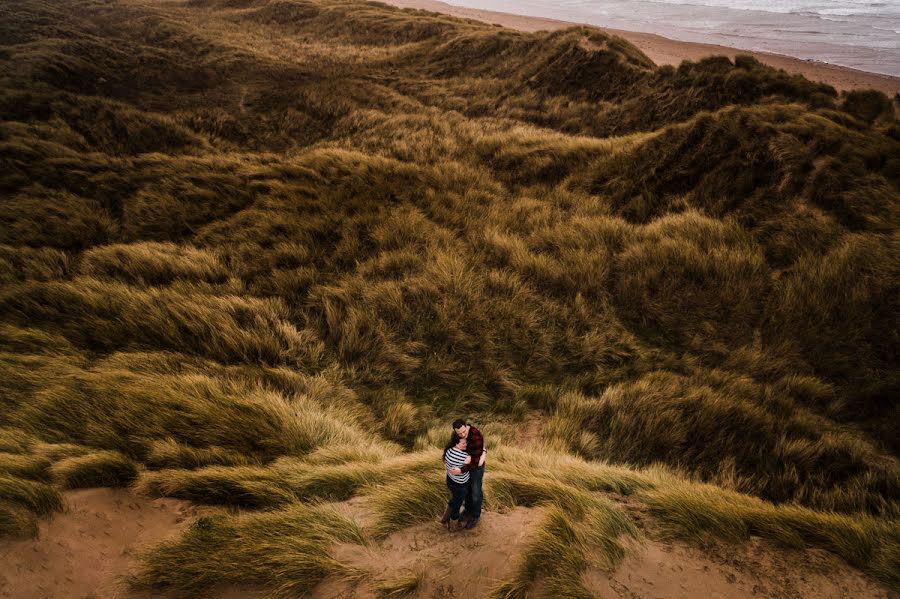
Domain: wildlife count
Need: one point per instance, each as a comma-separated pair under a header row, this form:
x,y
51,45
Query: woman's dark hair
x,y
454,439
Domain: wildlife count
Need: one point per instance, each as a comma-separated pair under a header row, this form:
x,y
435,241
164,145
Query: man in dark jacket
x,y
475,468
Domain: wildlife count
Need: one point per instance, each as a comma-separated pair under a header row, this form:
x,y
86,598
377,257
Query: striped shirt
x,y
455,459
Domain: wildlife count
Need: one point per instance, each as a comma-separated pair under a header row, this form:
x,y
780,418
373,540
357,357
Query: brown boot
x,y
446,517
454,525
464,520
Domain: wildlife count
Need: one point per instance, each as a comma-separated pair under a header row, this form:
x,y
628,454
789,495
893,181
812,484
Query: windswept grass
x,y
400,586
409,500
169,453
97,469
239,486
558,465
147,264
842,299
109,316
96,406
284,481
25,466
40,498
319,229
16,521
865,542
704,424
285,551
32,264
688,275
15,441
563,548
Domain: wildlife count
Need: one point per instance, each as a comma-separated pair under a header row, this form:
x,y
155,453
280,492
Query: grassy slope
x,y
232,233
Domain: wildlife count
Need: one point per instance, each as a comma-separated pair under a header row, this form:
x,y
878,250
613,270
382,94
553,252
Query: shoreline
x,y
663,50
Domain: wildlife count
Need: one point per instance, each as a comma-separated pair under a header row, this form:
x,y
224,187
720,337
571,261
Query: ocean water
x,y
862,34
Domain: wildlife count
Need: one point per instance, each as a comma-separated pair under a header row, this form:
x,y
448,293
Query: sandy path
x,y
662,50
462,564
471,563
83,552
750,570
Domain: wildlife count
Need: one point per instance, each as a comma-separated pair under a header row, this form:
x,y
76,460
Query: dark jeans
x,y
474,494
457,496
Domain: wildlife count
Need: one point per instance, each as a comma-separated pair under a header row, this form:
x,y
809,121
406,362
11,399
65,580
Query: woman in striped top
x,y
455,456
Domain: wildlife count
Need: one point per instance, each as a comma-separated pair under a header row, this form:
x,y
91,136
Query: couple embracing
x,y
464,461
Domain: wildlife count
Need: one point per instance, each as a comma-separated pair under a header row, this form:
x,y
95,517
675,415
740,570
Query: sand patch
x,y
84,551
461,564
591,46
656,570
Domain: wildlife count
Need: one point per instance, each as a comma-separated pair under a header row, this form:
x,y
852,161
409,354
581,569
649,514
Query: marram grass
x,y
690,512
564,546
96,469
261,282
284,551
403,585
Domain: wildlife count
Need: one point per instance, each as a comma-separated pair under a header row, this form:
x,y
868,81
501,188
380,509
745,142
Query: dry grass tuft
x,y
97,469
691,512
400,586
285,551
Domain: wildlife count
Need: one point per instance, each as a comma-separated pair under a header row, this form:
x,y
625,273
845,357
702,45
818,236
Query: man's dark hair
x,y
458,423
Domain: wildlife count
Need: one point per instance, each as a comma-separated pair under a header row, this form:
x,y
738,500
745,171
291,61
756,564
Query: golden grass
x,y
36,496
97,469
400,586
112,316
148,264
16,521
320,231
409,500
169,453
92,407
24,466
240,486
284,551
564,546
692,511
284,481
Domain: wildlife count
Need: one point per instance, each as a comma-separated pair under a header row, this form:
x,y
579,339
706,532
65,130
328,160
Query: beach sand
x,y
89,550
663,50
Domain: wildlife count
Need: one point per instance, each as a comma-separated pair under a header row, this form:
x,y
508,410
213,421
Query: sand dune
x,y
88,550
259,254
663,50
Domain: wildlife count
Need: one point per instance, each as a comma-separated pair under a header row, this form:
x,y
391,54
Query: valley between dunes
x,y
256,255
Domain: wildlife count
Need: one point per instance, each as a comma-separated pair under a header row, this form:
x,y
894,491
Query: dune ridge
x,y
256,254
